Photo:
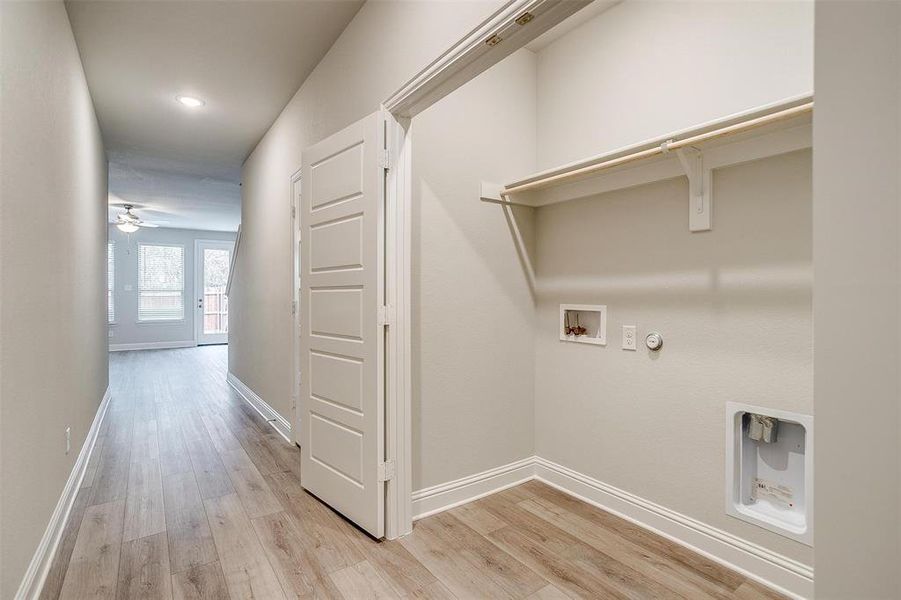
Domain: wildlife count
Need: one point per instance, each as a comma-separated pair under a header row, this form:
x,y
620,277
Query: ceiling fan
x,y
129,222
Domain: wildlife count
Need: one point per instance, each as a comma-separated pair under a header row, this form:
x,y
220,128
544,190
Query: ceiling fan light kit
x,y
127,227
128,222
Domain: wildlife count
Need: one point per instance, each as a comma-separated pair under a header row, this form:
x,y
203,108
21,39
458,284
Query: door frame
x,y
464,60
198,282
398,335
294,223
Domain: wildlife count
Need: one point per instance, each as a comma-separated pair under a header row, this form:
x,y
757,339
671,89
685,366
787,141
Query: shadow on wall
x,y
635,243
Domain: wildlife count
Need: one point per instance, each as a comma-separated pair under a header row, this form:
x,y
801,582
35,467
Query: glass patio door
x,y
212,260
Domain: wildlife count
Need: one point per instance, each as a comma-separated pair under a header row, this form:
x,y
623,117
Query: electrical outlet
x,y
68,439
629,337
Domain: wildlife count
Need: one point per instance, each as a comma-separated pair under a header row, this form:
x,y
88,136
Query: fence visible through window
x,y
215,302
215,310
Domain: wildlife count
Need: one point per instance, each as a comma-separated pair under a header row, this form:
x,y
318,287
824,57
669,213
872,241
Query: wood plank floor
x,y
191,494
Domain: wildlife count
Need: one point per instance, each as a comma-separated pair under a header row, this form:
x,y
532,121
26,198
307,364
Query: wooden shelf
x,y
771,130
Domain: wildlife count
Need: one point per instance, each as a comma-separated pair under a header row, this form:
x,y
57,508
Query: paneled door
x,y
212,260
341,339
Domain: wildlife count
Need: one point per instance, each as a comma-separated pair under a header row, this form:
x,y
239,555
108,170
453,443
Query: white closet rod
x,y
656,150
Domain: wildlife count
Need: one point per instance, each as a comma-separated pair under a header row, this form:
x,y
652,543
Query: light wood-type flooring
x,y
191,494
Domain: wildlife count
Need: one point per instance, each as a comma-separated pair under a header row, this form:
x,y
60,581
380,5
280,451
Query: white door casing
x,y
341,340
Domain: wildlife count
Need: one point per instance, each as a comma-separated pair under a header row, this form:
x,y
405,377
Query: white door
x,y
211,263
341,341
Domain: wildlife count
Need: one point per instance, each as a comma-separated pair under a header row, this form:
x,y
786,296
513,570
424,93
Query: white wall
x,y
384,46
857,150
53,359
127,329
473,314
733,304
643,69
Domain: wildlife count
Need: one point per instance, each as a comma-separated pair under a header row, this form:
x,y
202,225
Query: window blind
x,y
110,281
161,282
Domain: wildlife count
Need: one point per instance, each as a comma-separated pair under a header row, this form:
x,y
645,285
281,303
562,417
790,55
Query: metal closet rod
x,y
656,150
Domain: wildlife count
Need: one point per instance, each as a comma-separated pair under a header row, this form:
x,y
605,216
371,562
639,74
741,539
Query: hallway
x,y
191,494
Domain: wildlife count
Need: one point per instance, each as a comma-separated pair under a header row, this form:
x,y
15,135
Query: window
x,y
110,282
215,302
161,283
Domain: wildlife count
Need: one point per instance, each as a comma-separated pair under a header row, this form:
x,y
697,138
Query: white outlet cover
x,y
629,337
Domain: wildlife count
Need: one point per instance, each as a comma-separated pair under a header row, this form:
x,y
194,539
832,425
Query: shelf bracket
x,y
700,188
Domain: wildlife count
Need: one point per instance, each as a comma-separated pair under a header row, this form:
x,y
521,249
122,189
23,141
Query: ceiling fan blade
x,y
145,224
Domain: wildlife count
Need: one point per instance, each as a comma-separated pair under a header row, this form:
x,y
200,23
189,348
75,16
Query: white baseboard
x,y
152,346
771,569
445,496
37,571
278,422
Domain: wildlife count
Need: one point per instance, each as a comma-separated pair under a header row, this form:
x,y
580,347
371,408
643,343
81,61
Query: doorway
x,y
212,260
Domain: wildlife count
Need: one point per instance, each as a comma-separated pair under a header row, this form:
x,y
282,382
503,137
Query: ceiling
x,y
245,59
171,199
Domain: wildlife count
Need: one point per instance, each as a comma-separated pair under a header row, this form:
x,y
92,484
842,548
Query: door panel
x,y
341,342
337,448
337,313
337,245
338,177
338,380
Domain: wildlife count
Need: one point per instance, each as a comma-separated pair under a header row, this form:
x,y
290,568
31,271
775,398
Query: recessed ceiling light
x,y
190,101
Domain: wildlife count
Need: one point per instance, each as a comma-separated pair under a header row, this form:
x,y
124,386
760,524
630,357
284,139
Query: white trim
x,y
442,497
781,573
471,55
771,569
278,422
398,286
40,564
152,345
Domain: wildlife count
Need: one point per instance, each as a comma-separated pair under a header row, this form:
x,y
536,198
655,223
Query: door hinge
x,y
386,470
385,159
293,307
385,317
